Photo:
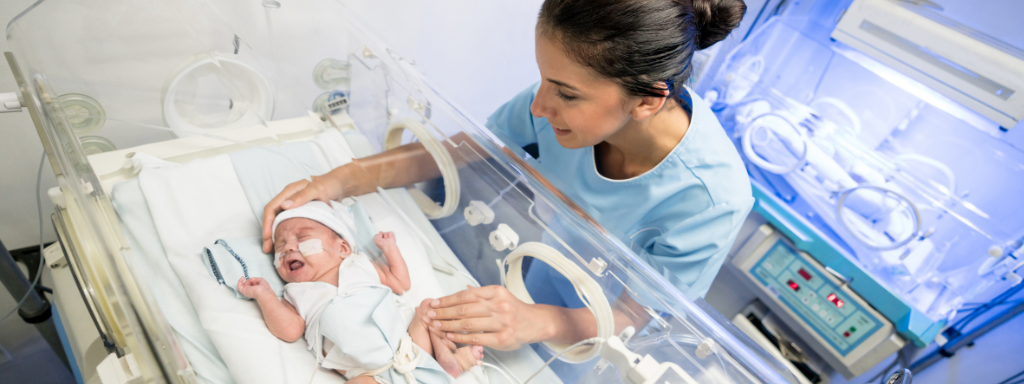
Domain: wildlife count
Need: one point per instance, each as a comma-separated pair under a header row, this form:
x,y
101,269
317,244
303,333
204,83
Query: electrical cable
x,y
501,371
1007,381
593,340
962,324
983,305
39,270
317,350
884,371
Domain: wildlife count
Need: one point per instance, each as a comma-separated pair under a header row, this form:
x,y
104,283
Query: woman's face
x,y
583,107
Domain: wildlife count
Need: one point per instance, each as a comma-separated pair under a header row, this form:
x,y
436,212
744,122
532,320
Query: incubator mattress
x,y
170,212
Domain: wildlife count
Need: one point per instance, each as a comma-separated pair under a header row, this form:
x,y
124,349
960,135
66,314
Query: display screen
x,y
835,300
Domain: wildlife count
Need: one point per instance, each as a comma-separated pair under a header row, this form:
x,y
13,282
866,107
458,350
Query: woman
x,y
613,123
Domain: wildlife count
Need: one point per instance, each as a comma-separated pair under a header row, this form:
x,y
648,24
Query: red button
x,y
804,274
846,334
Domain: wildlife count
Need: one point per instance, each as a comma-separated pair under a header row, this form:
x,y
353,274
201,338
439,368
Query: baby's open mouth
x,y
294,265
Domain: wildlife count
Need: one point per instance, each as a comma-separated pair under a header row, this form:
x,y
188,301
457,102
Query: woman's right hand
x,y
491,316
347,180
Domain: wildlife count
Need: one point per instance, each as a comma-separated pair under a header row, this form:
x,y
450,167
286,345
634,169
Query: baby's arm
x,y
281,317
396,276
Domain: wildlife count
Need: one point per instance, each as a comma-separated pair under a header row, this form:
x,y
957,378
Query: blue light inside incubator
x,y
915,188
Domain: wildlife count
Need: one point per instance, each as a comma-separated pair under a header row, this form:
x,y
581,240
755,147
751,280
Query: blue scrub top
x,y
682,216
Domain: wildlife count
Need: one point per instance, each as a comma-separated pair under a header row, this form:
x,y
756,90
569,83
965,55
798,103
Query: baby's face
x,y
295,267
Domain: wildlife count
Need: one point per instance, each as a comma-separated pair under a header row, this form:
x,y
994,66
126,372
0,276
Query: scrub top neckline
x,y
593,155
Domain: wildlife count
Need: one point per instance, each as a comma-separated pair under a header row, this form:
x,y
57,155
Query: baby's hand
x,y
253,287
385,241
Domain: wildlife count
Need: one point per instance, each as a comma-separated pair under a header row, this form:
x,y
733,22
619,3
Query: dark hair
x,y
639,43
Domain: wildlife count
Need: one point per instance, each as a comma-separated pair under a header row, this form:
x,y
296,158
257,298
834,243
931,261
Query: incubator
x,y
872,171
171,123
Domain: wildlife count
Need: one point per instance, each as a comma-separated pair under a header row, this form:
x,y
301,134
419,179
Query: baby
x,y
351,302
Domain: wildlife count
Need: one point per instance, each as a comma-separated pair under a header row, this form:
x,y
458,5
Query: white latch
x,y
636,369
597,266
1013,278
504,238
706,347
478,213
57,197
54,256
9,102
367,53
114,370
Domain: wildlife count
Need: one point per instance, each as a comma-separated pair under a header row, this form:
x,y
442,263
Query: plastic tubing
x,y
950,176
913,234
842,107
42,261
748,148
449,171
586,287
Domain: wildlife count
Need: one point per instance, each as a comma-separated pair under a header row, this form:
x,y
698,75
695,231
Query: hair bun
x,y
716,18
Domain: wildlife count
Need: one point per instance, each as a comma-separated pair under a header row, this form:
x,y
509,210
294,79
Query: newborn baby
x,y
347,304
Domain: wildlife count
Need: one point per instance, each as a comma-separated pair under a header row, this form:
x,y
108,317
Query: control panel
x,y
818,301
815,304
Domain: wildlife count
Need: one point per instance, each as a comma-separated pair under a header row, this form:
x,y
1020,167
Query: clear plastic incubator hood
x,y
170,124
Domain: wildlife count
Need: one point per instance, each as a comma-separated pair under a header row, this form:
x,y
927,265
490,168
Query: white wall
x,y
477,54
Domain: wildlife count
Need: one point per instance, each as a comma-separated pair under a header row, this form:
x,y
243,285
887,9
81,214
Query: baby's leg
x,y
418,327
431,343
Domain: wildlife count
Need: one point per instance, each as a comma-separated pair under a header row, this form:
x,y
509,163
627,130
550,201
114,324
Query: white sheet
x,y
197,203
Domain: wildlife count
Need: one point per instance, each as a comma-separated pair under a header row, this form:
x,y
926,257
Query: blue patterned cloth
x,y
229,259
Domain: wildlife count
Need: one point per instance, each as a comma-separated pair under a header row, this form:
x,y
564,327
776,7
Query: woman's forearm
x,y
565,325
569,326
405,165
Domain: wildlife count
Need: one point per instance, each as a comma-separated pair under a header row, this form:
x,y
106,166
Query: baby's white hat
x,y
334,216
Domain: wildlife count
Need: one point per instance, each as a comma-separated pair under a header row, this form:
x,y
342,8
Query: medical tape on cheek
x,y
311,247
277,259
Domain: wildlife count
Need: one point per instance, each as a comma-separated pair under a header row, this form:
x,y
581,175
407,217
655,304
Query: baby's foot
x,y
469,357
444,356
386,242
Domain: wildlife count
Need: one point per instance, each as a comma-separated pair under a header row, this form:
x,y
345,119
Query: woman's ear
x,y
650,105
